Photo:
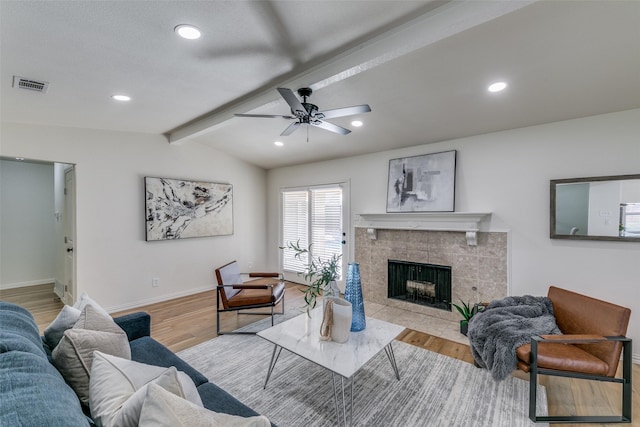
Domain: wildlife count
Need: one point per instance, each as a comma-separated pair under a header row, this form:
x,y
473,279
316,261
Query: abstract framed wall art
x,y
422,183
180,209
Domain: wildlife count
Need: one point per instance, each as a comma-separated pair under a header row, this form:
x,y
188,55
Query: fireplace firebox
x,y
424,284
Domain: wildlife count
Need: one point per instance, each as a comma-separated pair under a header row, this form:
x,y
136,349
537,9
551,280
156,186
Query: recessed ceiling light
x,y
20,159
278,143
497,87
356,123
121,97
187,32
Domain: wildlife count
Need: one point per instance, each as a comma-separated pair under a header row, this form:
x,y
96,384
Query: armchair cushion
x,y
580,314
561,357
252,296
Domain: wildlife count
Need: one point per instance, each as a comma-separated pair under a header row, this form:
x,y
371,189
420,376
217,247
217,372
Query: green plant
x,y
318,273
465,310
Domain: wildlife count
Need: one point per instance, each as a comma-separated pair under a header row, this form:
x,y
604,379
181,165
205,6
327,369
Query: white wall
x,y
508,173
115,264
26,224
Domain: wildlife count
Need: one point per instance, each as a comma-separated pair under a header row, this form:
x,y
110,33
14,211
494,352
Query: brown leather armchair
x,y
266,290
594,337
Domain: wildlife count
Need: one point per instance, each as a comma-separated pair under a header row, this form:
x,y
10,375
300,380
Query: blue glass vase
x,y
353,294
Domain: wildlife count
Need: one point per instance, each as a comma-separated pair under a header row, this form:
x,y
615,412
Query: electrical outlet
x,y
155,282
250,265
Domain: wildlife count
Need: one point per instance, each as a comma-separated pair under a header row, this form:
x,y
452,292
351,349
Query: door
x,y
317,218
70,236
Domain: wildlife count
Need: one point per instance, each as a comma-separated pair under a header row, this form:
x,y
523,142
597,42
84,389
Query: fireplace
x,y
419,283
484,266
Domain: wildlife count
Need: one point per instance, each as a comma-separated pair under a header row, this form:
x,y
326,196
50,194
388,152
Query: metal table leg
x,y
392,358
272,364
345,408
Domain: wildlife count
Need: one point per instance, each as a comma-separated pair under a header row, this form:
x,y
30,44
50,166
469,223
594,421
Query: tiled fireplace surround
x,y
483,266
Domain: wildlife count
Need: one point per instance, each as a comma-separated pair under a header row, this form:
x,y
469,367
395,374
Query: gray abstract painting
x,y
422,183
179,209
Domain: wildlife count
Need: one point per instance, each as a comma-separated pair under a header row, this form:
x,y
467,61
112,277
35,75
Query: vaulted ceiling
x,y
422,66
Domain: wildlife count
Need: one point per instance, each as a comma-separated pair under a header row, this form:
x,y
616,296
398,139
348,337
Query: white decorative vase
x,y
341,319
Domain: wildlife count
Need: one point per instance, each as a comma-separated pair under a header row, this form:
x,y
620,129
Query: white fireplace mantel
x,y
466,222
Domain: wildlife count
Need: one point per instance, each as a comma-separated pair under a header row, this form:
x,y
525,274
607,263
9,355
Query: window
x,y
630,219
312,216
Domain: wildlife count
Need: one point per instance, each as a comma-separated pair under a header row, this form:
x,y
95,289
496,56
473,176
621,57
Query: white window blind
x,y
311,216
295,227
326,222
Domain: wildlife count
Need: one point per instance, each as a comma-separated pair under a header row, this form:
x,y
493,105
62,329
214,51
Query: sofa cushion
x,y
162,408
74,354
33,393
118,388
19,331
216,399
149,351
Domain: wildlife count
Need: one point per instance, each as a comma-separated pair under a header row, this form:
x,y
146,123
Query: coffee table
x,y
301,335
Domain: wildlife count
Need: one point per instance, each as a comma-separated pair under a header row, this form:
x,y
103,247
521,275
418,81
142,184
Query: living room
x,y
503,172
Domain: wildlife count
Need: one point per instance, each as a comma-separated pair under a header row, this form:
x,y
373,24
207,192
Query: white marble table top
x,y
301,335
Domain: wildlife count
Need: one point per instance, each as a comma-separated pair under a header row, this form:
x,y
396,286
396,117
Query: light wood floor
x,y
187,321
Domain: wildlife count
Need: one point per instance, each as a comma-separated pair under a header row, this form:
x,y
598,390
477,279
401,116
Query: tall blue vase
x,y
353,294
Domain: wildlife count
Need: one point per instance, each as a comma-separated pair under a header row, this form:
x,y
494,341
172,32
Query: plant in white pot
x,y
319,273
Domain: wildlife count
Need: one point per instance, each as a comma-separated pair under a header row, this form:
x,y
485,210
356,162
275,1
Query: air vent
x,y
30,84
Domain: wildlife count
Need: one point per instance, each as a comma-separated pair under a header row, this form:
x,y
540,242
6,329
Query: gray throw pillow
x,y
67,317
74,354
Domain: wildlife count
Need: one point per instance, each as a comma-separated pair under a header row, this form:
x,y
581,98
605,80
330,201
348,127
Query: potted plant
x,y
467,313
320,273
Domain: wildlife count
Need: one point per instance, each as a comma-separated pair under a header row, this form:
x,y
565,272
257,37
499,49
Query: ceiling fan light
x,y
121,98
187,31
356,123
497,87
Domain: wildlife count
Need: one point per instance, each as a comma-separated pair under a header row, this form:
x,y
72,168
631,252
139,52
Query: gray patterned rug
x,y
434,390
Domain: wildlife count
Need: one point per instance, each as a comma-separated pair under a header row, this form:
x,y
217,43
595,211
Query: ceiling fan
x,y
307,113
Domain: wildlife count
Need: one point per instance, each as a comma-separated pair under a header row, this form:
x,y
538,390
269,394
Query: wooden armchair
x,y
594,337
265,291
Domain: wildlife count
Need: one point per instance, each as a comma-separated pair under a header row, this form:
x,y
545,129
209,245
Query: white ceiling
x,y
423,67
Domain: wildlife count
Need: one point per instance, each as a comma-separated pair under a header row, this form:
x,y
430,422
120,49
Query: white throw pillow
x,y
164,409
85,300
118,387
67,317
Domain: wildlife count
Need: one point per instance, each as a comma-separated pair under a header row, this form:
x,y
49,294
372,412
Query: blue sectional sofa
x,y
34,393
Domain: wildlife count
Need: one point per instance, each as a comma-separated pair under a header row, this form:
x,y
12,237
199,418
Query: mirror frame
x,y
552,222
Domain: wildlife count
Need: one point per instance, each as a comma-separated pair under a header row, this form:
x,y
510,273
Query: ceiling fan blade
x,y
346,111
292,128
293,101
330,127
266,116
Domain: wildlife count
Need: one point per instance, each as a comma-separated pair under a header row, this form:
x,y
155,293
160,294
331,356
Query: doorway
x,y
36,218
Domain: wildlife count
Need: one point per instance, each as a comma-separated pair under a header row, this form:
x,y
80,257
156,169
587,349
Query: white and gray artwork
x,y
422,183
179,209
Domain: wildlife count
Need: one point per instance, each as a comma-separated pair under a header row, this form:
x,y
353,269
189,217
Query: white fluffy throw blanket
x,y
506,324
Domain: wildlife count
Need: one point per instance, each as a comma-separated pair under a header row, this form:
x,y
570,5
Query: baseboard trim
x,y
6,286
636,359
161,298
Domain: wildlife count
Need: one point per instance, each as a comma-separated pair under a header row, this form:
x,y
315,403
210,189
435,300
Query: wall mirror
x,y
596,208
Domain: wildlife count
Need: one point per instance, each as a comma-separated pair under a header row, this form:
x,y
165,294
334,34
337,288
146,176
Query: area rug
x,y
434,390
